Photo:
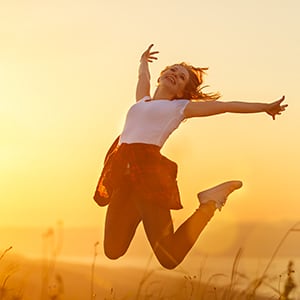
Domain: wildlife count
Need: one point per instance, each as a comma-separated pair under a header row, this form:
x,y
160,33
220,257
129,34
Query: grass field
x,y
51,278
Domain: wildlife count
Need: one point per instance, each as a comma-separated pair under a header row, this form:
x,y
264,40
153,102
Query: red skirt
x,y
142,166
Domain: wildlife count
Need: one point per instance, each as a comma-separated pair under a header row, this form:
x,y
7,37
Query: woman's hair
x,y
193,89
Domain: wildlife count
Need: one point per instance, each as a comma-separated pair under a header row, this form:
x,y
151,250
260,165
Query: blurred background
x,y
68,71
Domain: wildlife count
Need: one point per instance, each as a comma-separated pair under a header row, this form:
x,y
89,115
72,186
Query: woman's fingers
x,y
276,108
279,101
150,55
149,48
153,53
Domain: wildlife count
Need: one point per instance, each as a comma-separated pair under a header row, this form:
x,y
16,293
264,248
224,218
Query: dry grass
x,y
153,284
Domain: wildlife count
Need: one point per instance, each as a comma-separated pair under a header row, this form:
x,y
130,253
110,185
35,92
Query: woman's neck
x,y
161,93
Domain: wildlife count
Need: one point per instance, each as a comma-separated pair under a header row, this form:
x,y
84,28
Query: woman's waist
x,y
143,137
137,146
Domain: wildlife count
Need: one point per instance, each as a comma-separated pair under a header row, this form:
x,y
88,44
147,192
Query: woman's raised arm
x,y
143,85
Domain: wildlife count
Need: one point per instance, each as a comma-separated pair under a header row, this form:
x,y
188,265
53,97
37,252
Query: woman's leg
x,y
122,219
171,247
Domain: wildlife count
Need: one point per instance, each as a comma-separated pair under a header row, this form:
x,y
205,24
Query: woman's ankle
x,y
208,208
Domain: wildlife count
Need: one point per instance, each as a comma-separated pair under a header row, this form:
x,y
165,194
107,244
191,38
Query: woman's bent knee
x,y
167,261
170,265
113,251
113,254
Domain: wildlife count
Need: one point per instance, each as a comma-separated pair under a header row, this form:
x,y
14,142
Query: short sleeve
x,y
144,98
181,106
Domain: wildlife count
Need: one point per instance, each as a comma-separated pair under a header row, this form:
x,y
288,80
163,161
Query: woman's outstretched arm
x,y
209,108
143,85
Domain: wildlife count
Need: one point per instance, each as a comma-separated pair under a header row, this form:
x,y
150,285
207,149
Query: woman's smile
x,y
171,79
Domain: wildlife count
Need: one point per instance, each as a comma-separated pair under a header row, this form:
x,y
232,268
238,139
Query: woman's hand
x,y
275,108
148,55
143,85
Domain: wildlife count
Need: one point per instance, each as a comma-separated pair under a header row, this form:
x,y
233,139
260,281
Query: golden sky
x,y
68,71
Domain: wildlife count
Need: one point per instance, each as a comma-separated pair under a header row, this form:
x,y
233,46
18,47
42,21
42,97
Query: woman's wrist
x,y
144,68
265,107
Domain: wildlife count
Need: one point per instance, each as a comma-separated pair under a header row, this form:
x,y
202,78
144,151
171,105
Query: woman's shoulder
x,y
144,99
181,102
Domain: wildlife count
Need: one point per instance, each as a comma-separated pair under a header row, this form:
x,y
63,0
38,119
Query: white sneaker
x,y
219,193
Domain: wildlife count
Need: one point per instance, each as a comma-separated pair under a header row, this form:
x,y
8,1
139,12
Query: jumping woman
x,y
139,184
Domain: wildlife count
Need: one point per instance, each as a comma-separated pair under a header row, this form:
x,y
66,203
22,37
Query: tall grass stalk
x,y
93,293
53,241
145,277
199,281
234,273
189,292
5,251
3,288
209,283
260,280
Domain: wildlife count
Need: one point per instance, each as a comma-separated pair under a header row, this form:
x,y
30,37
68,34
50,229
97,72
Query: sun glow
x,y
68,76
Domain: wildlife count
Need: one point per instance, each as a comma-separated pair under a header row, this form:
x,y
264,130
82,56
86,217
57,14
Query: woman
x,y
139,184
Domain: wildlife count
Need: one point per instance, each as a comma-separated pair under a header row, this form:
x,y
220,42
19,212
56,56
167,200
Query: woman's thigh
x,y
158,226
122,219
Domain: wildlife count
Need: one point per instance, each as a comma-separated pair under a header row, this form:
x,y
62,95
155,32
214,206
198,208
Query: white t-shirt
x,y
151,122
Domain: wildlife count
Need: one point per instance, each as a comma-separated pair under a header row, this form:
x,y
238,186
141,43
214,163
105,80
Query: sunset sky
x,y
68,70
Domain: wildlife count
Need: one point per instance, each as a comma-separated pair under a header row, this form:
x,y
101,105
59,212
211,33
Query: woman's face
x,y
175,79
